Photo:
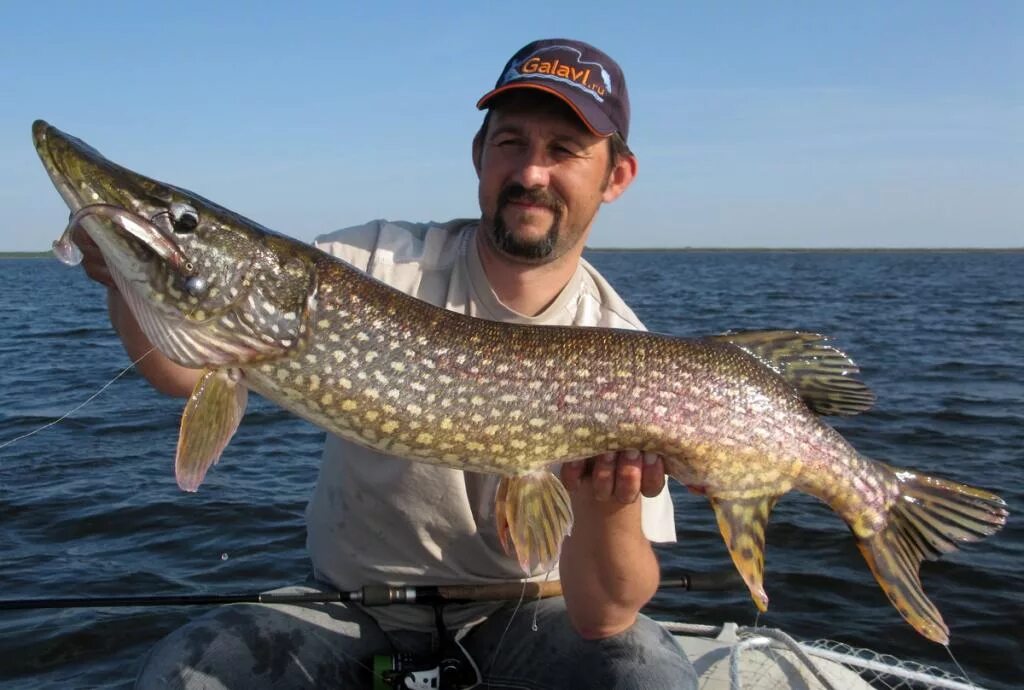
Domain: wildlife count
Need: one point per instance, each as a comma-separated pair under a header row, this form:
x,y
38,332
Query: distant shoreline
x,y
25,255
723,250
814,250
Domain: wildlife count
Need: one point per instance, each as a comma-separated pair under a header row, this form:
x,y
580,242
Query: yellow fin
x,y
742,522
534,516
822,374
209,421
930,517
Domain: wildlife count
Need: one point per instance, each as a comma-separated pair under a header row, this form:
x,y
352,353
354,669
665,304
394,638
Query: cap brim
x,y
594,119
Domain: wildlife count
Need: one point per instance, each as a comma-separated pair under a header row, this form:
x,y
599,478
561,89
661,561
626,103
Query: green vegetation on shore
x,y
26,255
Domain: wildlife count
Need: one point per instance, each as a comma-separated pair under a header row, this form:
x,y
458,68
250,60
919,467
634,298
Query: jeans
x,y
264,646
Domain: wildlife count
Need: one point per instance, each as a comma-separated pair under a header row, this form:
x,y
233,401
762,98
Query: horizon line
x,y
44,253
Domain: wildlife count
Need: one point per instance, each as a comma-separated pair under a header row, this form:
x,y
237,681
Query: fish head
x,y
207,286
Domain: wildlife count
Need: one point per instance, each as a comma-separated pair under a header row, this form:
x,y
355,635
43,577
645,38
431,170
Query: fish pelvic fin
x,y
210,419
534,516
742,522
930,517
822,374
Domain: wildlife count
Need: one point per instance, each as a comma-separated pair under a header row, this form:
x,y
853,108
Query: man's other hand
x,y
623,475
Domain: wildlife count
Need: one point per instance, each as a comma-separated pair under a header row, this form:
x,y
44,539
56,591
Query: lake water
x,y
90,507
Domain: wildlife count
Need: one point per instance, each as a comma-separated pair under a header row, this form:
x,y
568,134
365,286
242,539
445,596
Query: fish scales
x,y
404,378
735,416
497,398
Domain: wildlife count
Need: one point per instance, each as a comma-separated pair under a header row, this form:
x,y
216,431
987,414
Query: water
x,y
90,507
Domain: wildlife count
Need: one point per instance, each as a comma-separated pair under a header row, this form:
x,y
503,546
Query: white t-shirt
x,y
375,518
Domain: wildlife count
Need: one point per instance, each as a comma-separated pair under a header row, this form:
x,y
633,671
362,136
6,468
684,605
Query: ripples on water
x,y
90,507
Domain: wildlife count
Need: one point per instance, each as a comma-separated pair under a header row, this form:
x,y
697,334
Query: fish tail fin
x,y
930,517
534,516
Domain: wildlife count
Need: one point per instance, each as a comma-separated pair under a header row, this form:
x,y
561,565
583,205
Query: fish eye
x,y
196,285
184,218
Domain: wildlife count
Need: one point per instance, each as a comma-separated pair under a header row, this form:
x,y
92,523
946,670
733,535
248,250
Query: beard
x,y
506,241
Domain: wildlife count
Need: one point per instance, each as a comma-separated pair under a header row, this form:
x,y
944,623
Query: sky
x,y
782,124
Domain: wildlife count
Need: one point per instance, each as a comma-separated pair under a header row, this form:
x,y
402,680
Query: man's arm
x,y
608,568
163,374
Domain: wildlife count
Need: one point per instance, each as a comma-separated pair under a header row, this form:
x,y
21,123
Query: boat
x,y
726,657
734,657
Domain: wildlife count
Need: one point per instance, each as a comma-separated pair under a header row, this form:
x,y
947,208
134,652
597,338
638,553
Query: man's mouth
x,y
517,196
531,206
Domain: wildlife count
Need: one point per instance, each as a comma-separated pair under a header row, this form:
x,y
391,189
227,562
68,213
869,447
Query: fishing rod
x,y
373,595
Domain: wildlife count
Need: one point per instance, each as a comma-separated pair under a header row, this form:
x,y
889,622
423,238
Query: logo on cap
x,y
563,64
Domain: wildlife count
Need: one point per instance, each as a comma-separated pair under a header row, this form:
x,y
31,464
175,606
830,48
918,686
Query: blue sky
x,y
783,124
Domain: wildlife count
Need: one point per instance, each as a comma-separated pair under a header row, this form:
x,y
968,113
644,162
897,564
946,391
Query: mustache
x,y
517,193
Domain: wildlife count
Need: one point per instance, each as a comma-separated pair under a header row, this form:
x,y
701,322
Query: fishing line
x,y
540,597
87,400
501,640
143,230
472,662
959,668
80,405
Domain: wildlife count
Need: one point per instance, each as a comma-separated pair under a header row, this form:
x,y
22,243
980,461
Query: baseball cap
x,y
589,81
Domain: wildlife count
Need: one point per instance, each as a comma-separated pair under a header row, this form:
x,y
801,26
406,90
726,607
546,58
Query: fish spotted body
x,y
735,415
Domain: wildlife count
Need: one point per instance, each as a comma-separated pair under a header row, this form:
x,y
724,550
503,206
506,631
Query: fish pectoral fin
x,y
534,515
822,374
930,517
742,522
210,419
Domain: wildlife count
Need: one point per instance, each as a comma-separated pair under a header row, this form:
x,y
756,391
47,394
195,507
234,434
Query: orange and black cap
x,y
589,81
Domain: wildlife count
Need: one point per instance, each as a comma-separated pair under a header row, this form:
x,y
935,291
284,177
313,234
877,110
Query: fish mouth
x,y
130,218
41,139
88,183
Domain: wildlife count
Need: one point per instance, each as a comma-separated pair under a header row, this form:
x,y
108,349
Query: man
x,y
551,150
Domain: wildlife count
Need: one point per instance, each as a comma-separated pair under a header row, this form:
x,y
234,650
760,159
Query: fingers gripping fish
x,y
737,415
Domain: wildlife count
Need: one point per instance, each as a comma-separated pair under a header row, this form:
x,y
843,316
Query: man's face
x,y
543,176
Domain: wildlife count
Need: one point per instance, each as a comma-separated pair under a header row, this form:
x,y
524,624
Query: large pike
x,y
736,416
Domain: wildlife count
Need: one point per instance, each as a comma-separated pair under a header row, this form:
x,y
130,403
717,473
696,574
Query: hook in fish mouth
x,y
141,228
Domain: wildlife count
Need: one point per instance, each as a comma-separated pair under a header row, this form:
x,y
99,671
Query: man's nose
x,y
534,169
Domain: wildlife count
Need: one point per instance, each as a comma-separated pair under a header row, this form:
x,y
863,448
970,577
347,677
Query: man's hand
x,y
166,376
92,259
608,569
622,475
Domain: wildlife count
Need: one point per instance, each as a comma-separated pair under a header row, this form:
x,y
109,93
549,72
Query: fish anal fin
x,y
534,515
210,419
742,522
929,517
822,374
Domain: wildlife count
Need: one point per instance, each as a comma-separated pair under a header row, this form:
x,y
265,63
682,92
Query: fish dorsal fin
x,y
210,419
742,522
822,374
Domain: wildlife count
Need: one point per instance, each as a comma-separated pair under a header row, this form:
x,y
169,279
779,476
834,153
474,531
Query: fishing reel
x,y
431,672
446,668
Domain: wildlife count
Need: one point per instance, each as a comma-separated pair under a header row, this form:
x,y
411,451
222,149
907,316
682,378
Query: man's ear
x,y
622,175
478,152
